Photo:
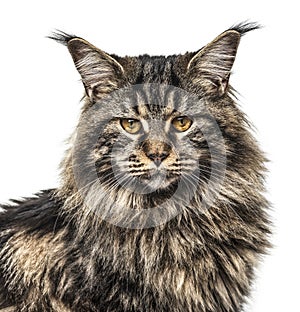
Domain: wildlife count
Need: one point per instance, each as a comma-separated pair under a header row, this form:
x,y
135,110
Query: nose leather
x,y
157,151
158,157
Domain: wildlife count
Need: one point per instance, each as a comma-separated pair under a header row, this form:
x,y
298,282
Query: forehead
x,y
149,107
156,101
148,101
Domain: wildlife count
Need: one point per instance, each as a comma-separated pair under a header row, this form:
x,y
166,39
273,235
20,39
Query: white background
x,y
40,93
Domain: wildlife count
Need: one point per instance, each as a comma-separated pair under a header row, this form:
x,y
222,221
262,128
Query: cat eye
x,y
132,126
182,123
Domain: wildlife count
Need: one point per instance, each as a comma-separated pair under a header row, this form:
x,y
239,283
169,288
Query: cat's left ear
x,y
100,72
211,66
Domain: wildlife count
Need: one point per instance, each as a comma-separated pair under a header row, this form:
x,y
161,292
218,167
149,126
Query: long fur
x,y
57,255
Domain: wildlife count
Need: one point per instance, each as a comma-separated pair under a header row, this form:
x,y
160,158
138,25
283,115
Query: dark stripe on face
x,y
142,100
157,69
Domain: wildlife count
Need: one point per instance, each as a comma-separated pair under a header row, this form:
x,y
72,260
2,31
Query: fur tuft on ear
x,y
61,37
100,72
210,67
245,27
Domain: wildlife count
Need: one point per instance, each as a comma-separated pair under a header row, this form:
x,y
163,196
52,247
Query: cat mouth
x,y
157,179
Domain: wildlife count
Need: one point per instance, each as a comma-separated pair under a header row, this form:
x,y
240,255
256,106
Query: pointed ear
x,y
100,72
211,66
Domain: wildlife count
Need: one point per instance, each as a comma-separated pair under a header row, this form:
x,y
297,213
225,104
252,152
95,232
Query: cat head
x,y
153,125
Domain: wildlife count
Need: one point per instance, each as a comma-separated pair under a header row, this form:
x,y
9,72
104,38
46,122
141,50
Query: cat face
x,y
152,126
150,148
149,139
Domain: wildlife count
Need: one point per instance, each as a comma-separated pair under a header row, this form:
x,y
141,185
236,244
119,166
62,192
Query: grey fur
x,y
59,254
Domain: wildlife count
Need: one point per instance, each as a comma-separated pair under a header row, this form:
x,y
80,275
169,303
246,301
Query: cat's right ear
x,y
100,72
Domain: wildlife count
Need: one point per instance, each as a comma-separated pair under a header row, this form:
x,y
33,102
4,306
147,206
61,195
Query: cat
x,y
161,204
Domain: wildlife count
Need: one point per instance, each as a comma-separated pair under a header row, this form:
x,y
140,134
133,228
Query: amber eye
x,y
132,126
182,123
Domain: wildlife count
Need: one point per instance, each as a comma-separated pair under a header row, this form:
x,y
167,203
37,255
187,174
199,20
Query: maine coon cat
x,y
161,204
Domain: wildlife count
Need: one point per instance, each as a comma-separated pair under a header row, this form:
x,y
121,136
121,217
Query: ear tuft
x,y
61,37
244,27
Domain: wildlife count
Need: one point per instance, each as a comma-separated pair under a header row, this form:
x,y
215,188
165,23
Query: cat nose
x,y
157,158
